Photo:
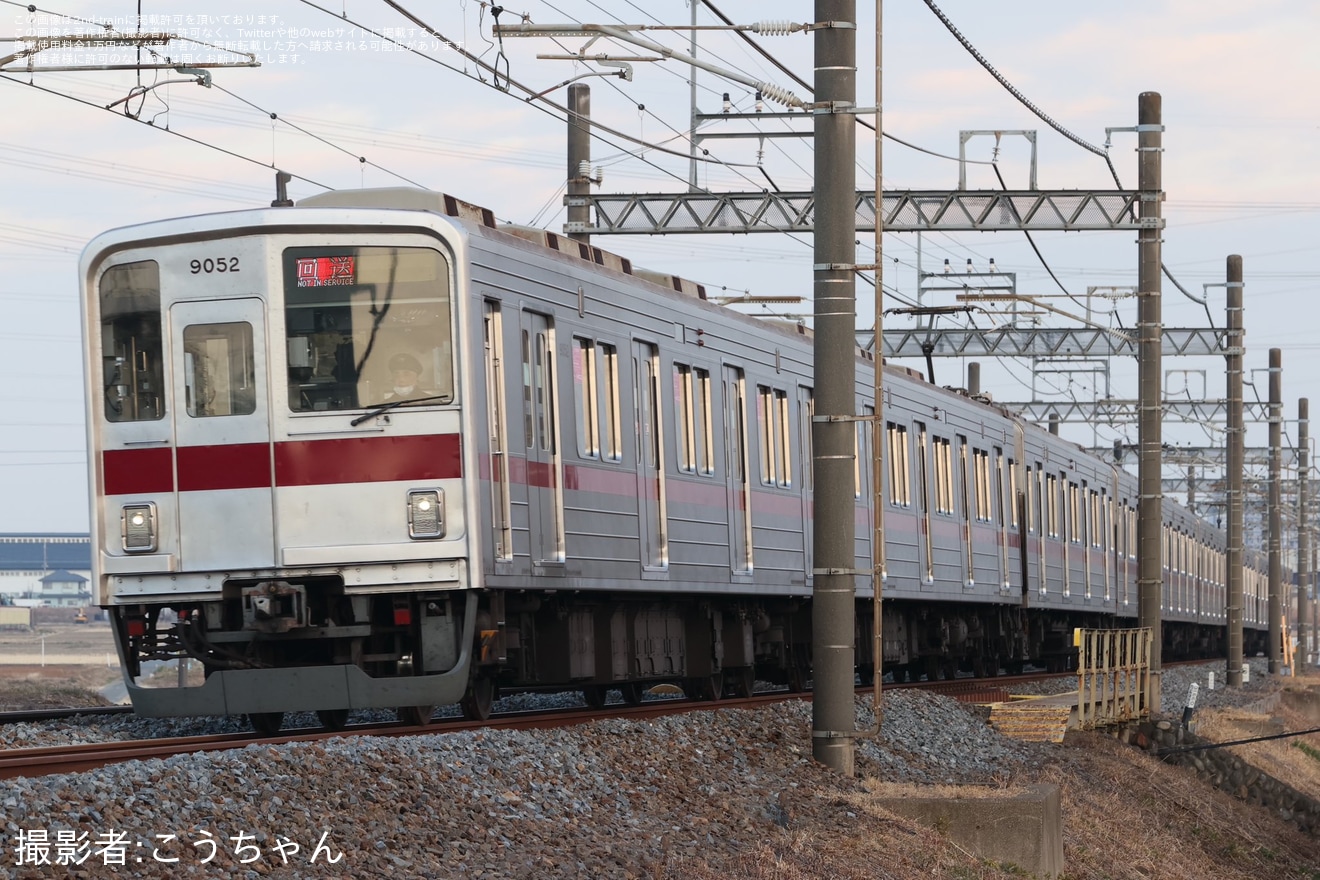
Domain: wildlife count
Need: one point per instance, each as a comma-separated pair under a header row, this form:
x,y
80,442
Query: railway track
x,y
80,758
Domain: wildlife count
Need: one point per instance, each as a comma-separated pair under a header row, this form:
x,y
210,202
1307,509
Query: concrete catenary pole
x,y
1191,488
1303,533
832,430
579,151
973,378
1235,341
1276,510
1150,576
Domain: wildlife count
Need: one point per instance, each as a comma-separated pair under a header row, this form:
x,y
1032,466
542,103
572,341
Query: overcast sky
x,y
1239,85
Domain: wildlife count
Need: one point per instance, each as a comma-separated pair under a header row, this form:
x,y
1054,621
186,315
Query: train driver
x,y
406,371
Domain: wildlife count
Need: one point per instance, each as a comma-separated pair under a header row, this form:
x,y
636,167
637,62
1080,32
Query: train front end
x,y
277,463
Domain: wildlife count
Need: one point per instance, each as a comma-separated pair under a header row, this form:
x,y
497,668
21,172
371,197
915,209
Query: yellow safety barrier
x,y
1113,675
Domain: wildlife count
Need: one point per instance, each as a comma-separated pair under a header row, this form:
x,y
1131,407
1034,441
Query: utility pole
x,y
579,157
832,430
1235,435
1276,511
1150,575
1303,532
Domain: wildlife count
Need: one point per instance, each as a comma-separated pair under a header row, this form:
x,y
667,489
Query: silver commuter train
x,y
592,478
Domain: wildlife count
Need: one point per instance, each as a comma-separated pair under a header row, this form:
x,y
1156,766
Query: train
x,y
376,450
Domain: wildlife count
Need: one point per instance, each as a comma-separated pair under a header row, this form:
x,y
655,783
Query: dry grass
x,y
1126,816
1295,760
36,691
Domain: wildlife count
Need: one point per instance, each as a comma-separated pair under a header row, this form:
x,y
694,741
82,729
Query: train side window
x,y
585,397
943,450
219,370
131,347
982,480
608,362
900,486
687,444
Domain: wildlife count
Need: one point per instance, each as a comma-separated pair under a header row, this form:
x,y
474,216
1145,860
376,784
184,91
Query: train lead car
x,y
373,451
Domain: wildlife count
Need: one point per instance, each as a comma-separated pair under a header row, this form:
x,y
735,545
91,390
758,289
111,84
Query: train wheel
x,y
479,699
594,696
416,716
705,687
632,693
742,682
932,668
266,723
332,719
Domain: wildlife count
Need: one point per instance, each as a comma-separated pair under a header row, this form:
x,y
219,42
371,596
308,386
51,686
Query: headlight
x,y
426,514
138,527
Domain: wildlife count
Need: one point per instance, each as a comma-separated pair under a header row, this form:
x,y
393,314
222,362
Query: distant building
x,y
45,566
64,589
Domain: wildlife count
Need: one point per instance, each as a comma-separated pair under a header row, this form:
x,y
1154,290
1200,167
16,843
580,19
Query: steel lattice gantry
x,y
910,211
1062,342
1126,411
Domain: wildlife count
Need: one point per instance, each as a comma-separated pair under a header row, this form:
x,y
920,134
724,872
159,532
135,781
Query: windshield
x,y
367,326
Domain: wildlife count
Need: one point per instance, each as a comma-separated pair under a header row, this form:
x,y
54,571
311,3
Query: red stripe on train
x,y
297,463
138,471
368,460
239,466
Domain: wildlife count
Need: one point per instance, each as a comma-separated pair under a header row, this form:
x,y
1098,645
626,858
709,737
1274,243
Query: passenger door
x,y
221,416
545,502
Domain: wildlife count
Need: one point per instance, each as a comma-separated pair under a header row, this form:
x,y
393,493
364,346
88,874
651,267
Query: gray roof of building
x,y
45,552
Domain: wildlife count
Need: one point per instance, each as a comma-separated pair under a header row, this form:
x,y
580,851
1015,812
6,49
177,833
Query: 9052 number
x,y
209,265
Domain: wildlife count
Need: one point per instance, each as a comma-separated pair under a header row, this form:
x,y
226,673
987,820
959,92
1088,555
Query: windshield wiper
x,y
385,407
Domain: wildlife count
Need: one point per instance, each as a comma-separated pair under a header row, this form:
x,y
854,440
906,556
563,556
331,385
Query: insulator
x,y
775,28
584,168
600,174
779,95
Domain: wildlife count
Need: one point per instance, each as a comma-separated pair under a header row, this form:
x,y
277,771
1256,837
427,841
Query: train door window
x,y
585,397
650,458
501,525
943,452
900,486
703,432
783,432
543,393
806,410
219,370
1051,498
1013,493
862,461
1132,532
739,481
765,425
924,495
1074,513
132,371
1032,517
964,476
607,361
362,320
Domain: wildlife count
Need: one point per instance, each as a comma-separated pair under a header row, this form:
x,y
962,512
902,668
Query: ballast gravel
x,y
614,798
